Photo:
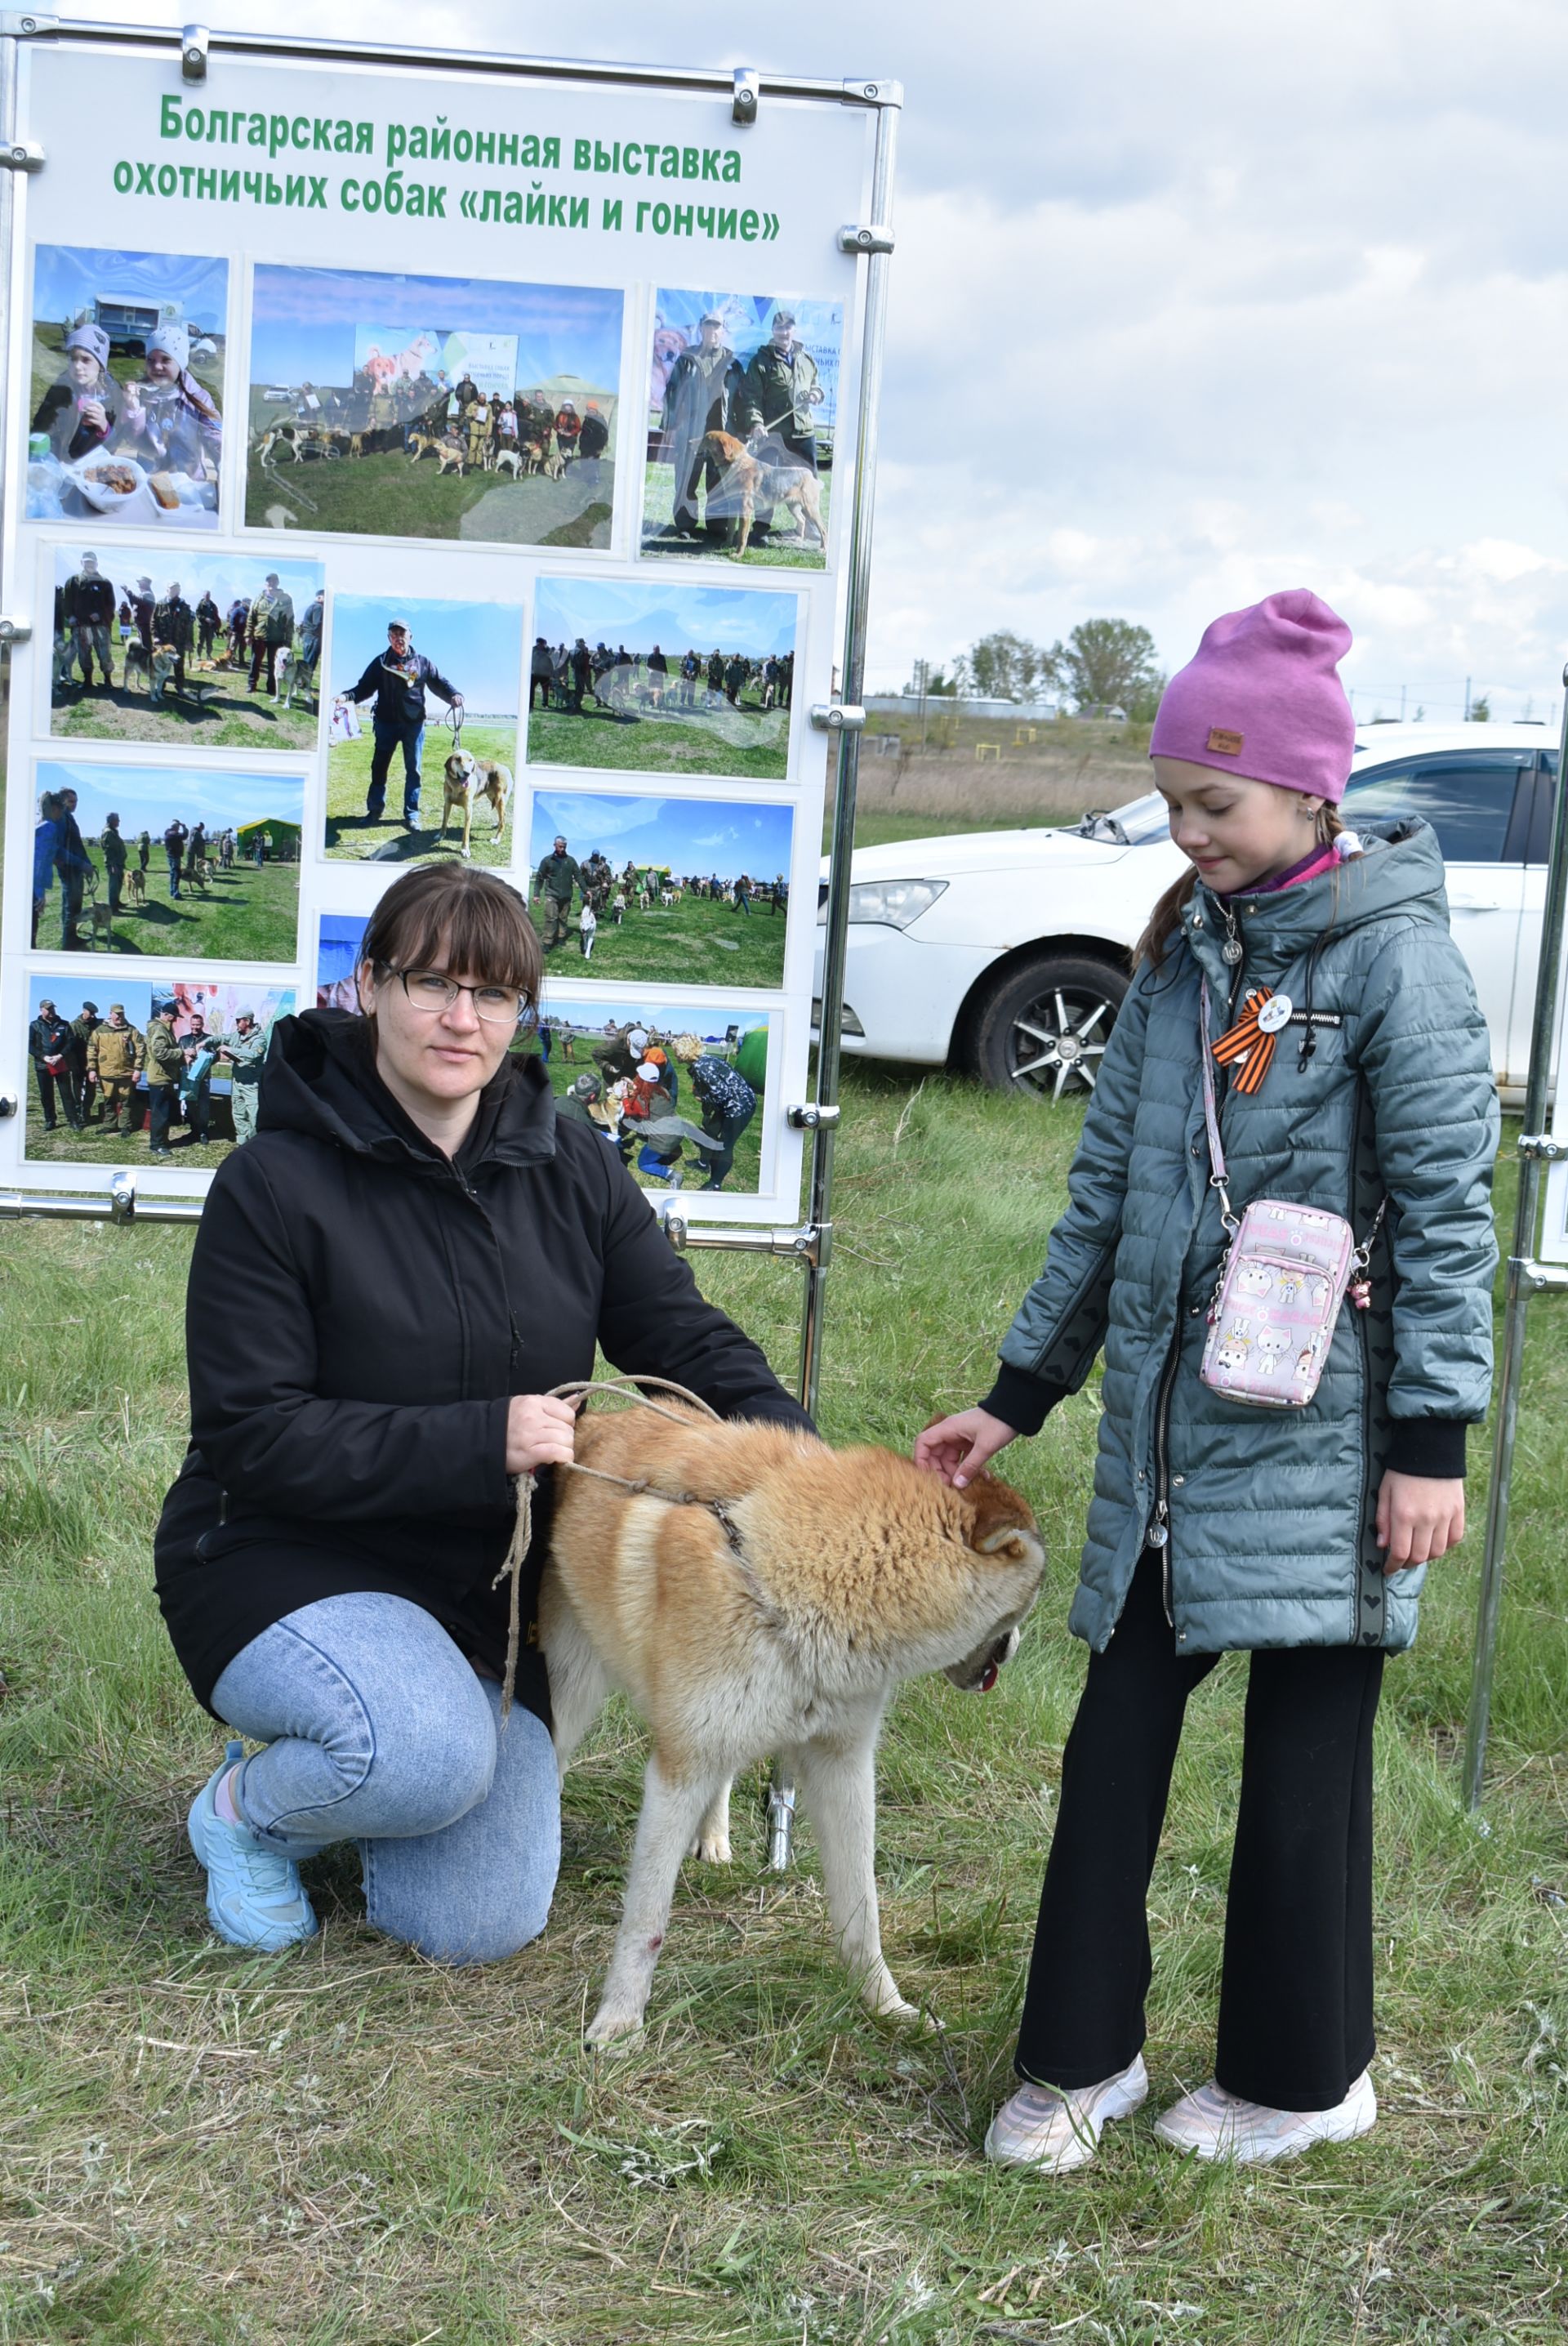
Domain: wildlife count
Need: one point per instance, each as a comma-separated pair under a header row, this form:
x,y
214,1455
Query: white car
x,y
1006,952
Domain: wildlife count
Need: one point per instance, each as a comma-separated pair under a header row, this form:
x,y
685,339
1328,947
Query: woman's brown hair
x,y
1165,918
450,917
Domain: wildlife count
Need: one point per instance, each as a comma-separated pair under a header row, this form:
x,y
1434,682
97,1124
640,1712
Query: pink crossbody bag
x,y
1280,1288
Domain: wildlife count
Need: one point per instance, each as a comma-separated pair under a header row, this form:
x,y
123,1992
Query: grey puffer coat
x,y
1271,1513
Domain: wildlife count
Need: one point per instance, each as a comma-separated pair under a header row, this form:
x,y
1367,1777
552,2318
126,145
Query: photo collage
x,y
284,670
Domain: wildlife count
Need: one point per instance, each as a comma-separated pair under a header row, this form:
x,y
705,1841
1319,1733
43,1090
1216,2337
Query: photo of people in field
x,y
676,1093
432,407
661,679
423,730
656,890
196,651
742,409
131,859
125,1072
127,391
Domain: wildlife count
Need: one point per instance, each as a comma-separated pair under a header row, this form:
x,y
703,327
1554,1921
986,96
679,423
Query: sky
x,y
147,798
1191,305
65,278
677,619
304,320
219,1001
705,835
478,646
225,575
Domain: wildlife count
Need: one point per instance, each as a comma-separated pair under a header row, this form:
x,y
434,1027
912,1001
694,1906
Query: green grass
x,y
225,715
696,943
749,741
878,829
658,511
350,834
246,914
347,2147
390,496
97,1145
745,1176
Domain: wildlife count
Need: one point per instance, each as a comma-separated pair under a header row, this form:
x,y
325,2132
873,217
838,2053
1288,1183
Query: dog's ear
x,y
1000,1522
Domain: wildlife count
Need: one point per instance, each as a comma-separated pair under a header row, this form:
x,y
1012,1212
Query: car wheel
x,y
1044,1027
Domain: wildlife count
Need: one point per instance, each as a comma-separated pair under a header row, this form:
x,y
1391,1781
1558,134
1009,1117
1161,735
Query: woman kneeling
x,y
387,1281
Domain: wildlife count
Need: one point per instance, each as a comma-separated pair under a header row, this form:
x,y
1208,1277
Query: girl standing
x,y
1298,1533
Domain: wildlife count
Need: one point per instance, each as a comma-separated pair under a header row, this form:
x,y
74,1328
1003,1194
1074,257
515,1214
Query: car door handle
x,y
1479,905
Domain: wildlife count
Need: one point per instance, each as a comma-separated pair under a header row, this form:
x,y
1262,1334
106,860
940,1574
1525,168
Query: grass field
x,y
749,741
345,2146
390,496
776,554
698,942
350,834
246,914
97,1145
227,715
745,1176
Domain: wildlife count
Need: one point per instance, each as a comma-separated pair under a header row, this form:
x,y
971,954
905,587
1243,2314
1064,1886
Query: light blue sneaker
x,y
254,1894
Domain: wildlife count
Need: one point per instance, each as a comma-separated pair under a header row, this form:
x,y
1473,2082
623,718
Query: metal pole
x,y
820,1208
1522,1279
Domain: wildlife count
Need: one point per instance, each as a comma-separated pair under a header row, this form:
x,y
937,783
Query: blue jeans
x,y
726,1131
410,739
378,1730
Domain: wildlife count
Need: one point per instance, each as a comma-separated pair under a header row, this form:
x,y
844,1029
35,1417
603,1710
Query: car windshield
x,y
1133,825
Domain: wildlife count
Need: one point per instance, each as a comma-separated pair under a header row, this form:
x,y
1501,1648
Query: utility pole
x,y
1467,700
922,670
1401,704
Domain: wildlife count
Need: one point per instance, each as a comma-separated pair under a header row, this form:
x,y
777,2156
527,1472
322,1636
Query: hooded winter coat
x,y
1271,1513
361,1309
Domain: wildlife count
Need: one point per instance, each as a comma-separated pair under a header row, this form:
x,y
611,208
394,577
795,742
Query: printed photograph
x,y
130,859
661,679
423,735
127,396
199,651
654,890
432,407
677,1094
122,1072
742,404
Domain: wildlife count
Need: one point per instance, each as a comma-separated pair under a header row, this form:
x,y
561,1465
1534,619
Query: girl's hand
x,y
956,1448
540,1431
1420,1518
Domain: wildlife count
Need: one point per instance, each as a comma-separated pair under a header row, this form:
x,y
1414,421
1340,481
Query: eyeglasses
x,y
427,989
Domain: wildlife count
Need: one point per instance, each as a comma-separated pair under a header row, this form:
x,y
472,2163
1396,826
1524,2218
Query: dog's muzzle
x,y
978,1672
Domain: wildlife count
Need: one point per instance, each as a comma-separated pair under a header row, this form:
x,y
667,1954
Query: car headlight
x,y
888,904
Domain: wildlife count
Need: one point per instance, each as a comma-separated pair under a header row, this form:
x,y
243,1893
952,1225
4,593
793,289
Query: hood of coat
x,y
321,1079
1400,871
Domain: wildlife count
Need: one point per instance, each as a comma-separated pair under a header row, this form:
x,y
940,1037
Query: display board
x,y
410,464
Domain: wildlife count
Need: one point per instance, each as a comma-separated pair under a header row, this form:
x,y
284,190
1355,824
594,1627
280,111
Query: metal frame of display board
x,y
1527,1276
811,1243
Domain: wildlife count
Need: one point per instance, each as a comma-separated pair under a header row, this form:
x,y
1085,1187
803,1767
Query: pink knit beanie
x,y
1263,698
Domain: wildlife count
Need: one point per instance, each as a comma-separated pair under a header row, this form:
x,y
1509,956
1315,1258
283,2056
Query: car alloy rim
x,y
1057,1043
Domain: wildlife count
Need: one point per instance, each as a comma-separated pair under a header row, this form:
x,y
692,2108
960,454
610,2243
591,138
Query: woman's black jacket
x,y
361,1308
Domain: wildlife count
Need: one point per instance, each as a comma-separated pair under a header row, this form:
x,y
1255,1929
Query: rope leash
x,y
578,1389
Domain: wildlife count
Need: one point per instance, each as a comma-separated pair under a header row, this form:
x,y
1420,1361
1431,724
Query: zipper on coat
x,y
1158,1534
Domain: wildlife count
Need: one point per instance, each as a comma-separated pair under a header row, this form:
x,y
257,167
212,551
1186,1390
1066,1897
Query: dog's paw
x,y
909,2018
712,1848
613,2031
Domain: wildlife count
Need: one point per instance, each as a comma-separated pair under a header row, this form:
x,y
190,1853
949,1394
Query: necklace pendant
x,y
1230,951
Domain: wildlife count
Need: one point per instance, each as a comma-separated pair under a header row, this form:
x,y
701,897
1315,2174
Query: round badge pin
x,y
1275,1013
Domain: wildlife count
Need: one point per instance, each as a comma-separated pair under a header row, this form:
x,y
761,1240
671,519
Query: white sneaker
x,y
1213,2124
1043,2127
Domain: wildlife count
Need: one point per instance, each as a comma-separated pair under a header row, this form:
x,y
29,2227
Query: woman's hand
x,y
956,1448
1420,1518
540,1431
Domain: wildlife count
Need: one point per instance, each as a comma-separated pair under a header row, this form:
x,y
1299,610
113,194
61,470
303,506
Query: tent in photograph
x,y
282,838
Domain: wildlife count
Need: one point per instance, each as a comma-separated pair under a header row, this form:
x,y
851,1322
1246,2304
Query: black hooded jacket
x,y
360,1309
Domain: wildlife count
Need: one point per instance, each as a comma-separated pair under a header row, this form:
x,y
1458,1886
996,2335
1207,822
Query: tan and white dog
x,y
137,878
466,780
774,1611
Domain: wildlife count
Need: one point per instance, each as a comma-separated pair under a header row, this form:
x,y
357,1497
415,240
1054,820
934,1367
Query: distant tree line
x,y
1104,664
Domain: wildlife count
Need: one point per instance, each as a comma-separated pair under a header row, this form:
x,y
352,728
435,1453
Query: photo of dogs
x,y
467,779
758,1592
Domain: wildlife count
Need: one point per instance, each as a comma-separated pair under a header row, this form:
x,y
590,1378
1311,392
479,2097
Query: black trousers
x,y
1295,1996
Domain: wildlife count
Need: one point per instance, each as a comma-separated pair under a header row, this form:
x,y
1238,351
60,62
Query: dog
x,y
102,921
138,879
453,456
508,460
137,664
748,475
282,668
468,778
774,1607
164,660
